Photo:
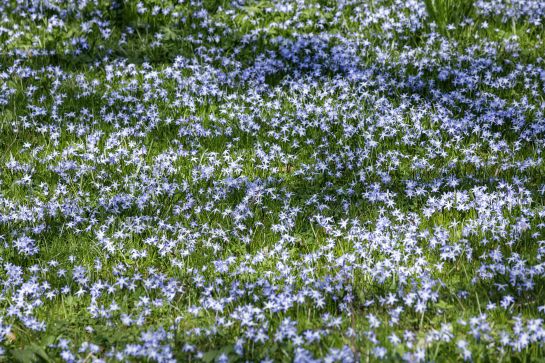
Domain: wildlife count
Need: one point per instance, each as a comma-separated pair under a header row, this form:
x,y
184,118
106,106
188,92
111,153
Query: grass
x,y
151,173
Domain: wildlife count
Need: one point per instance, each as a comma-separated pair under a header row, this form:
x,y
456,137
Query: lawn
x,y
279,180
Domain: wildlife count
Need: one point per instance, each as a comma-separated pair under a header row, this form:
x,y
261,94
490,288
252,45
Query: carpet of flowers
x,y
276,180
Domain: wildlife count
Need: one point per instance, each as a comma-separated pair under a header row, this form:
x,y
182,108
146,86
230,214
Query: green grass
x,y
411,55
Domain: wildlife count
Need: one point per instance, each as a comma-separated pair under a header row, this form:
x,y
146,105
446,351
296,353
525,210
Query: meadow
x,y
272,181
